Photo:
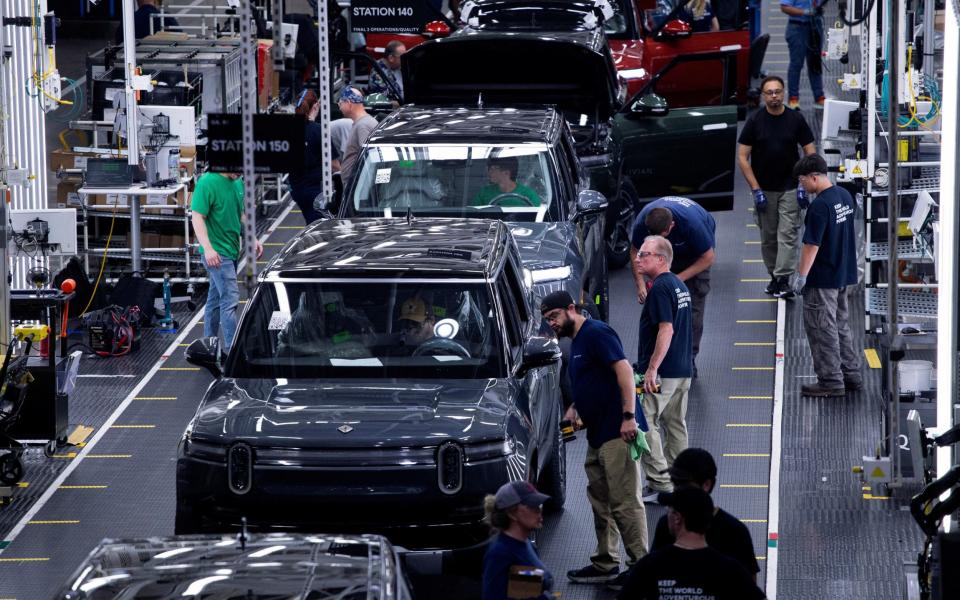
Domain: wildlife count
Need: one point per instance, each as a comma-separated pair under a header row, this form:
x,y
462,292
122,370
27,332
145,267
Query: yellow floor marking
x,y
760,557
750,210
79,435
179,368
750,397
754,343
297,210
872,497
751,242
756,455
752,486
155,398
752,368
133,427
183,345
23,484
25,559
242,301
262,262
748,425
290,227
753,260
274,243
754,520
752,225
61,522
107,455
756,300
754,280
873,359
83,487
757,321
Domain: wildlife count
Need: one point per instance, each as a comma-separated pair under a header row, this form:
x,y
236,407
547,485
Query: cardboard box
x,y
173,241
525,582
148,239
67,194
188,152
68,159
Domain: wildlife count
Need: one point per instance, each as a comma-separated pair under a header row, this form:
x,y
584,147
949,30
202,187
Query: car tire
x,y
187,521
618,241
553,481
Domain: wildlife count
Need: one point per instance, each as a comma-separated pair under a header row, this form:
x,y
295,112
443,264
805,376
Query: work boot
x,y
784,289
794,102
853,385
591,574
771,288
821,391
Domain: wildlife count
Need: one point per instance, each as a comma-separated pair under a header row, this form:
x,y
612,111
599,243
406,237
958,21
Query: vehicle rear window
x,y
369,328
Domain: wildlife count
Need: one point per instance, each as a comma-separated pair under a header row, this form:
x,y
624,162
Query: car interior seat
x,y
411,188
304,334
531,175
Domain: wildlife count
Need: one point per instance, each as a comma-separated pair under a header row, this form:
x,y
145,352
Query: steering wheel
x,y
496,199
429,348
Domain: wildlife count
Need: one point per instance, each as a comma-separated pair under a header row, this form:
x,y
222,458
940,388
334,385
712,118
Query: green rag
x,y
639,447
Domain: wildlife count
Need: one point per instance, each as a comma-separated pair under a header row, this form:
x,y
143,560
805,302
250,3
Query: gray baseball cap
x,y
519,492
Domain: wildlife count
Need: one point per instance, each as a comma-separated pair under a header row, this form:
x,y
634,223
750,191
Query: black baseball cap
x,y
695,465
693,504
559,299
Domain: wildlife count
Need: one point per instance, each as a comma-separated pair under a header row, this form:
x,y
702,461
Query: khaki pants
x,y
666,414
613,488
780,233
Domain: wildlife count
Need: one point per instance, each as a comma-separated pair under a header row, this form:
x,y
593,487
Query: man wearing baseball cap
x,y
515,512
416,321
689,567
604,398
350,104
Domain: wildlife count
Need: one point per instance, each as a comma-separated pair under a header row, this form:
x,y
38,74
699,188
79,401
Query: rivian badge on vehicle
x,y
344,428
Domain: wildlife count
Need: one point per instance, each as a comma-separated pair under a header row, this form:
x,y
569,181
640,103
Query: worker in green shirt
x,y
217,206
502,172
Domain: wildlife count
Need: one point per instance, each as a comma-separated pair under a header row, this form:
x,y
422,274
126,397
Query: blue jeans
x,y
222,300
799,43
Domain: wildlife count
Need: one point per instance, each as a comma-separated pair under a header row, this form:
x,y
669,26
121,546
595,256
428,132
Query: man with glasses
x,y
827,266
691,232
766,154
605,400
416,322
664,358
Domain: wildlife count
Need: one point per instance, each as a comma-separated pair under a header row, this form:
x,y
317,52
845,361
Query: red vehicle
x,y
651,46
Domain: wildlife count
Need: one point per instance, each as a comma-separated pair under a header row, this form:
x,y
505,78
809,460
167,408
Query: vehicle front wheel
x,y
187,521
618,242
553,482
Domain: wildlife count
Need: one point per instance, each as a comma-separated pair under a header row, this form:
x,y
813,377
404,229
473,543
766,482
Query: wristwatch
x,y
627,415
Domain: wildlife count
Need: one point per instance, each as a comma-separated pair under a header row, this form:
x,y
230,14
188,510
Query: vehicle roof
x,y
393,247
425,124
281,564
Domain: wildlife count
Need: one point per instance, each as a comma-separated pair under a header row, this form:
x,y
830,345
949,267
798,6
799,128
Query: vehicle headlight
x,y
489,450
541,275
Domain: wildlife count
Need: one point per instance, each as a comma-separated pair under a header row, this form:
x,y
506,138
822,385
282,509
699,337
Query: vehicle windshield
x,y
368,328
446,180
533,16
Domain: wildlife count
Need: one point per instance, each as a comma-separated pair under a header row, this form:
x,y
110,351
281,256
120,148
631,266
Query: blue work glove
x,y
799,283
803,200
759,200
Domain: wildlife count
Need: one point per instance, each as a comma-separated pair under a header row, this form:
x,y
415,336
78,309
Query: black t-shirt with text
x,y
775,142
829,225
727,534
677,574
668,301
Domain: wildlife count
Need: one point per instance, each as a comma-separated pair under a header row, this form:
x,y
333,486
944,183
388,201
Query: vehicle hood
x,y
545,245
306,413
573,71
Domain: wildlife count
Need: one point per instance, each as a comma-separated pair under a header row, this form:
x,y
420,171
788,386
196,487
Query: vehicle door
x,y
589,227
537,385
688,152
696,68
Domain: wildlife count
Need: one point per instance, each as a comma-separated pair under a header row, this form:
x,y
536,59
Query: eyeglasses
x,y
773,92
646,254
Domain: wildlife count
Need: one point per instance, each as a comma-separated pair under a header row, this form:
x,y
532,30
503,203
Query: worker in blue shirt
x,y
691,231
827,266
515,512
805,43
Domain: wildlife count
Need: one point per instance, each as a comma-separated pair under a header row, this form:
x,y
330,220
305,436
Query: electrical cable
x,y
103,263
842,14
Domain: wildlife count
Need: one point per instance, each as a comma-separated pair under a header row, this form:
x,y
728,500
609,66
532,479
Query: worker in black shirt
x,y
689,568
767,151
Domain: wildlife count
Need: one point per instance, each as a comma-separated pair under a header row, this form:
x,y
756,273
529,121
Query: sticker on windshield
x,y
356,362
278,320
383,176
447,357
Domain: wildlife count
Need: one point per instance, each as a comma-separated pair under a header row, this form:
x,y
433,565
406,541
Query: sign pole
x,y
323,95
248,107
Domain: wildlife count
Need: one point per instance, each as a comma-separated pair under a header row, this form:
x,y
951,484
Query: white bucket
x,y
915,376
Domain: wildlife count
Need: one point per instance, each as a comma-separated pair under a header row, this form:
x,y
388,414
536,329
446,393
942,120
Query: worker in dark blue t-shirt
x,y
142,18
691,231
604,399
515,511
664,356
827,266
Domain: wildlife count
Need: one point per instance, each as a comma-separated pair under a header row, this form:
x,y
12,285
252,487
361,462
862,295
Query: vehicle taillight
x,y
240,468
450,467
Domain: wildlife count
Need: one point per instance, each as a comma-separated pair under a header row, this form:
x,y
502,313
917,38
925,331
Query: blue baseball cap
x,y
519,492
350,95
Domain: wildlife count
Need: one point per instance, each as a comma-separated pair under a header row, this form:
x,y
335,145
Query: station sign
x,y
390,16
279,142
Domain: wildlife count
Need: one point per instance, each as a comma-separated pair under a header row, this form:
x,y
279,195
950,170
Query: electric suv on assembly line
x,y
387,375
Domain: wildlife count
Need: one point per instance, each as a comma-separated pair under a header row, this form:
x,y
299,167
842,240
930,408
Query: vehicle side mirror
x,y
435,29
590,202
675,29
205,353
540,352
650,105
